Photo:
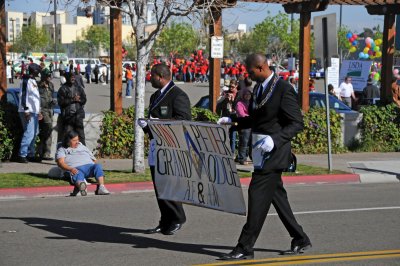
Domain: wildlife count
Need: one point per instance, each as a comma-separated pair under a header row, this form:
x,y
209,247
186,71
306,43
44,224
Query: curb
x,y
122,188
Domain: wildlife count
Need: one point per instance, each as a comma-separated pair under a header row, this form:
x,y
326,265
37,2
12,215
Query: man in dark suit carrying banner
x,y
168,102
275,118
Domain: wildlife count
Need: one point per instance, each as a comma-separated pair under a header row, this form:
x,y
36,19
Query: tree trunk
x,y
138,149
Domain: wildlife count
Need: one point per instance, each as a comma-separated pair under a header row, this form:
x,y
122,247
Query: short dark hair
x,y
248,82
161,70
67,138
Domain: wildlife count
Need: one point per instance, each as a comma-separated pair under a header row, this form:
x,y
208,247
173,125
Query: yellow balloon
x,y
366,49
353,49
378,54
379,41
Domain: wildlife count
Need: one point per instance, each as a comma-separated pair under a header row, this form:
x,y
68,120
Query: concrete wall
x,y
92,130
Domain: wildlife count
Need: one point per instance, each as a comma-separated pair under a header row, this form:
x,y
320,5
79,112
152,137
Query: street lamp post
x,y
13,29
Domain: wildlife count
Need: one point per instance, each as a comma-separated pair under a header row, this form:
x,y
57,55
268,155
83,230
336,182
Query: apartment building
x,y
14,23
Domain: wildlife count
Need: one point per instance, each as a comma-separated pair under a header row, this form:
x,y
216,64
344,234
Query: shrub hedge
x,y
313,139
117,132
380,129
6,140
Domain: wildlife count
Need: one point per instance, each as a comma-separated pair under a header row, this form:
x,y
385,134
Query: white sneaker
x,y
128,97
101,190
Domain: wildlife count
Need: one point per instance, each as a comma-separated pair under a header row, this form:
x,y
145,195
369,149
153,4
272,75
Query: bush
x,y
313,139
11,128
380,129
200,114
117,132
6,141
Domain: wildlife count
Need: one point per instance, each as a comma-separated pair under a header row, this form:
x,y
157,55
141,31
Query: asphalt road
x,y
108,230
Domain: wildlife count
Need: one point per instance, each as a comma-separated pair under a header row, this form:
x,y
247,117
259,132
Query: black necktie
x,y
260,92
155,97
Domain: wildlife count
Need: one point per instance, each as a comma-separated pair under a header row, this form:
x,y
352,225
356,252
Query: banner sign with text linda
x,y
194,165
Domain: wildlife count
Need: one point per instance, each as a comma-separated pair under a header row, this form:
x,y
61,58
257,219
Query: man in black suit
x,y
275,118
168,102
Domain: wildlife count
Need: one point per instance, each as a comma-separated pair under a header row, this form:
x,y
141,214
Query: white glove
x,y
142,123
224,120
267,145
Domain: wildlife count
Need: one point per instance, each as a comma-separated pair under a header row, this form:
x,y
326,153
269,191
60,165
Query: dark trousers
x,y
265,189
76,125
45,137
244,144
171,212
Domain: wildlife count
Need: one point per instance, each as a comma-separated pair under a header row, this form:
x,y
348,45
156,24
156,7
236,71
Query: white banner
x,y
194,165
358,71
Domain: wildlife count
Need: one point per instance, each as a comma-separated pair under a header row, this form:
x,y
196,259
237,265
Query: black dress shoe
x,y
172,229
156,230
298,246
22,160
34,159
237,254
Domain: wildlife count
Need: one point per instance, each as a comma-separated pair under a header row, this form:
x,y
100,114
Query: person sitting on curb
x,y
79,163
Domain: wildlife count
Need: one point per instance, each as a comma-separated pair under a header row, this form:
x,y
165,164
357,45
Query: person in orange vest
x,y
129,81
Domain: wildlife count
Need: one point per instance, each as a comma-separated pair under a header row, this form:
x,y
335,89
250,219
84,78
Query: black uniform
x,y
280,118
173,103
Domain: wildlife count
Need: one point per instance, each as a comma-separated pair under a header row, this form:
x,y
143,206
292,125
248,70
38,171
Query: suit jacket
x,y
280,117
174,104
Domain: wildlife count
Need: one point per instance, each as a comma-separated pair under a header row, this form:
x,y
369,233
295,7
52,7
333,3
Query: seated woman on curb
x,y
78,162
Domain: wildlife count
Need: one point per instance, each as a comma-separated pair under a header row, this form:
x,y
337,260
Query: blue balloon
x,y
349,35
361,55
366,56
354,43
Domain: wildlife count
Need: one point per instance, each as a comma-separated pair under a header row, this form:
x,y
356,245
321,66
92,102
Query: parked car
x,y
317,73
12,96
285,74
316,100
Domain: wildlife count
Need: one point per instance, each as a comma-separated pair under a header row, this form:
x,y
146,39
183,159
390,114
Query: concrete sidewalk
x,y
368,162
360,168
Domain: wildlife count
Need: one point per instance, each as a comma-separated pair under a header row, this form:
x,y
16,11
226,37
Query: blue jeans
x,y
232,143
129,85
31,130
85,171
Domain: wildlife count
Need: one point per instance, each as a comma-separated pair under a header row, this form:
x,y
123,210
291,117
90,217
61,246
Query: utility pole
x,y
55,34
340,28
3,77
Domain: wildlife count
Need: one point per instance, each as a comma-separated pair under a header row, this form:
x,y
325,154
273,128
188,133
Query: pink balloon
x,y
355,36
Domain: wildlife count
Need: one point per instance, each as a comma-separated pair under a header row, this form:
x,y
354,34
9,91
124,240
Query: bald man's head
x,y
257,67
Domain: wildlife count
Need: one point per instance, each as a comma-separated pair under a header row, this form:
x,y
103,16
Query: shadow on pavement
x,y
91,232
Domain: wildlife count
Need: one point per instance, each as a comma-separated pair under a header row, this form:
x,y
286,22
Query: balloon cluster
x,y
371,49
353,41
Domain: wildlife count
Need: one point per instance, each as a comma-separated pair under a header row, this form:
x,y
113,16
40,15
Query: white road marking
x,y
346,210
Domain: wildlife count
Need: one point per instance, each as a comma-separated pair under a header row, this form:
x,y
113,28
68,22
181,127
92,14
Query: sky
x,y
355,17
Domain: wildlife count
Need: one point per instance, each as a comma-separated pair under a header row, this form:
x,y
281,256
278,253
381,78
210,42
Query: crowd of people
x,y
35,108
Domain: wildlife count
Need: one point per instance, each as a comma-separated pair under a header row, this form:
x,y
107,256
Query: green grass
x,y
15,180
